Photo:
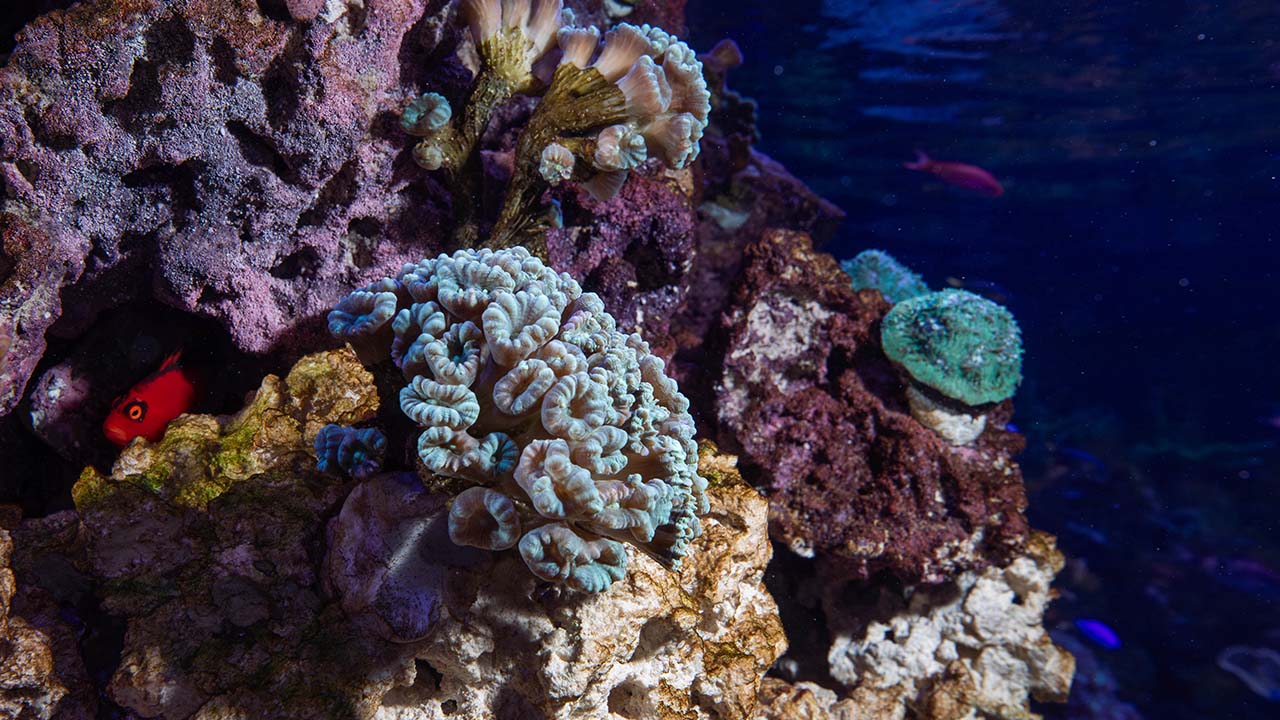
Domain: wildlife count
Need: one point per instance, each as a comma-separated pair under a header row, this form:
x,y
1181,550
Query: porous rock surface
x,y
242,161
211,544
655,645
41,674
207,544
26,660
972,648
635,250
822,421
222,157
781,700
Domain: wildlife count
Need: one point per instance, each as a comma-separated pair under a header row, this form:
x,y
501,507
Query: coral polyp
x,y
878,270
606,108
960,350
569,436
960,344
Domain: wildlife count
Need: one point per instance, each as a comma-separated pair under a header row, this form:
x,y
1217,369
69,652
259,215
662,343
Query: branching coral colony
x,y
606,109
566,435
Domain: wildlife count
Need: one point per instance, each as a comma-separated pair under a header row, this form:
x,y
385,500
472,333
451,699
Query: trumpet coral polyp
x,y
608,107
569,435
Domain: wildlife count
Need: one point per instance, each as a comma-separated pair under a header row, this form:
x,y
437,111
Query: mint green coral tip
x,y
878,270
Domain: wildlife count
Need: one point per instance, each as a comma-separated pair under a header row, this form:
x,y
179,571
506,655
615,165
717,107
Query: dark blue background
x,y
1139,143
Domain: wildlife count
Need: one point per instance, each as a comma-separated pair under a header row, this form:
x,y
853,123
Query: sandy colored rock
x,y
780,700
656,645
41,675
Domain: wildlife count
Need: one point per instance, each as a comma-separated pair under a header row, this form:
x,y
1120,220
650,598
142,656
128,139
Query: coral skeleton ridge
x,y
570,436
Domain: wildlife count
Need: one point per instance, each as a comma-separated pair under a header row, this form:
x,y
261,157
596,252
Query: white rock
x,y
972,648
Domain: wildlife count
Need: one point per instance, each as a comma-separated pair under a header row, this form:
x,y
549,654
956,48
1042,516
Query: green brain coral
x,y
960,344
878,270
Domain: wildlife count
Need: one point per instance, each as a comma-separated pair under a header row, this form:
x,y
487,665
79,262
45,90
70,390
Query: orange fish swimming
x,y
145,411
969,177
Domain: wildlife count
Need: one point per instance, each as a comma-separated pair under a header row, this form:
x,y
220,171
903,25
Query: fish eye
x,y
136,410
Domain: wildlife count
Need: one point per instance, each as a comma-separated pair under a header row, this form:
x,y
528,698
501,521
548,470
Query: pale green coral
x,y
427,114
878,270
960,344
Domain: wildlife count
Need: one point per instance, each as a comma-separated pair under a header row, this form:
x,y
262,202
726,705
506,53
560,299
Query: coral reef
x,y
246,162
643,96
821,416
974,647
976,643
205,543
600,115
521,384
208,543
878,270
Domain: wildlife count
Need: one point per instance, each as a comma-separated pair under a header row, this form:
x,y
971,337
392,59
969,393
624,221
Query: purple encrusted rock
x,y
236,165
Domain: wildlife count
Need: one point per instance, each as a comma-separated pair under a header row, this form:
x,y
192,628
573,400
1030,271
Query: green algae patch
x,y
90,489
720,469
200,457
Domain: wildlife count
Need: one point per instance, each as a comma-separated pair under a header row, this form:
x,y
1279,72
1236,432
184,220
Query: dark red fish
x,y
145,411
962,175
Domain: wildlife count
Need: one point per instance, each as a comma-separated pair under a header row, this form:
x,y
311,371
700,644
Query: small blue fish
x,y
1099,632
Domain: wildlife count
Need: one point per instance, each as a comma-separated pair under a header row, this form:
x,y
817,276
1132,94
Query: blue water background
x,y
1139,144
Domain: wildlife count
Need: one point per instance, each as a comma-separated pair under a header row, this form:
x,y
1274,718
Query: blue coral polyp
x,y
571,435
357,452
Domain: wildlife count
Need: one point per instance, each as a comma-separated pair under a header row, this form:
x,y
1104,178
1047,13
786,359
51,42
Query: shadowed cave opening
x,y
19,13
